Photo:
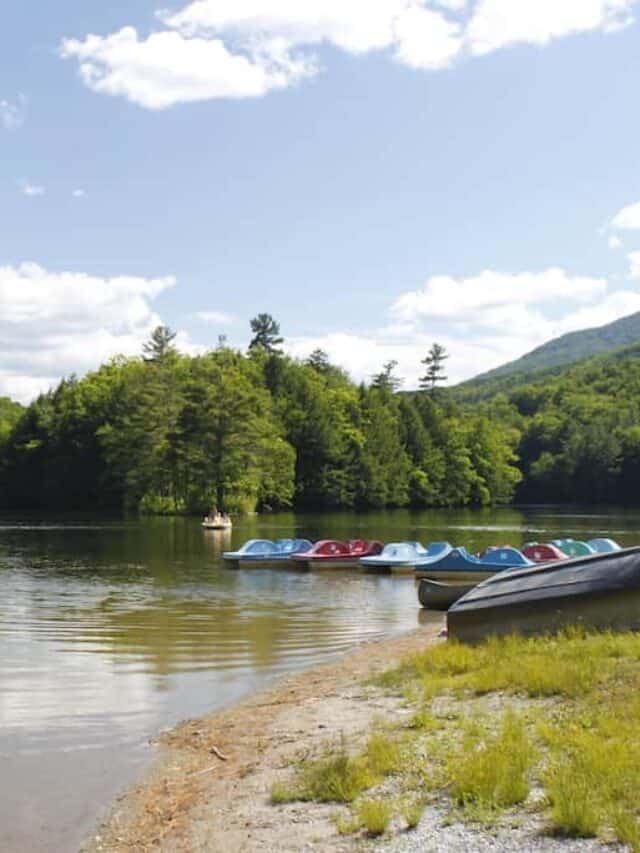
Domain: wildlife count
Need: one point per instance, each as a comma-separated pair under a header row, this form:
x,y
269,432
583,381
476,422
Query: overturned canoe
x,y
434,595
598,591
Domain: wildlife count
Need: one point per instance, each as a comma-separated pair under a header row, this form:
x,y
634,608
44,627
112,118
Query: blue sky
x,y
376,176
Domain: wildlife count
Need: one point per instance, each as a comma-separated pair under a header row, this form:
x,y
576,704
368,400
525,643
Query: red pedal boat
x,y
332,554
539,552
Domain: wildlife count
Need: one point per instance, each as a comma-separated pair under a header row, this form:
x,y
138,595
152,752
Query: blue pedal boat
x,y
263,553
573,547
457,564
603,546
402,557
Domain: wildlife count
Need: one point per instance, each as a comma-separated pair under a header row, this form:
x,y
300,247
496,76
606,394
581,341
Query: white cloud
x,y
444,296
29,189
12,113
634,264
483,321
614,242
214,317
167,68
79,193
247,48
53,324
628,219
499,23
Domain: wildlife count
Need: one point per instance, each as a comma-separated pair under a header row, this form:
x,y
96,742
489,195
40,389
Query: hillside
x,y
552,357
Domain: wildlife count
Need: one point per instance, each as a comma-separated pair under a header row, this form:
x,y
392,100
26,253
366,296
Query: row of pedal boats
x,y
437,561
539,589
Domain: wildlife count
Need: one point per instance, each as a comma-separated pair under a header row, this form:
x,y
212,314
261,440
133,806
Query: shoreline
x,y
208,788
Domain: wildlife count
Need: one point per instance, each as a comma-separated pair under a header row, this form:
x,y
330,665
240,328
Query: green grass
x,y
489,722
337,776
374,815
491,770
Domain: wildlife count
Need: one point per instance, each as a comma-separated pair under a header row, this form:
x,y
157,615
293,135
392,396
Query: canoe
x,y
401,557
542,552
599,591
573,547
332,554
459,565
264,553
434,595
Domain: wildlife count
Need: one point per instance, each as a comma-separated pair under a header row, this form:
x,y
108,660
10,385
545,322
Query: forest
x,y
170,433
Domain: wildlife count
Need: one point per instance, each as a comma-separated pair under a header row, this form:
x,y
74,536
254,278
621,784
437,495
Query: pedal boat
x,y
263,553
401,557
457,564
332,554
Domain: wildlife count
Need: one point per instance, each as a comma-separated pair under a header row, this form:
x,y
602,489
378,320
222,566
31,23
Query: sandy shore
x,y
210,788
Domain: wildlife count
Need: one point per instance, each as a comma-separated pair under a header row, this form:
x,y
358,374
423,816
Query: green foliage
x,y
374,815
167,433
490,771
266,334
574,735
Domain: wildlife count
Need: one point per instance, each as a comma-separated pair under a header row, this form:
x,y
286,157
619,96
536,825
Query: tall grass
x,y
336,776
575,735
491,771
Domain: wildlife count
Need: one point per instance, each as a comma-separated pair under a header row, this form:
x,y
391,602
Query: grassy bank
x,y
514,728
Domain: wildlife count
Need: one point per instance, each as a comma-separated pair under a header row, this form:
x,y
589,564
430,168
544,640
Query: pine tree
x,y
159,345
385,380
266,334
434,362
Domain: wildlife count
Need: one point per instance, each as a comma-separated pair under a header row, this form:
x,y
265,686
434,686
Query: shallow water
x,y
111,630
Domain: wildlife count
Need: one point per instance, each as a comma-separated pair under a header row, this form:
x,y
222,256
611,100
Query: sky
x,y
376,174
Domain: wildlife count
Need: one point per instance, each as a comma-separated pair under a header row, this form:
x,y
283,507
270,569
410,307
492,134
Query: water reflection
x,y
111,630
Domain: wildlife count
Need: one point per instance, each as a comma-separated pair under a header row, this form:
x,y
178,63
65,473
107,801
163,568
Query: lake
x,y
111,630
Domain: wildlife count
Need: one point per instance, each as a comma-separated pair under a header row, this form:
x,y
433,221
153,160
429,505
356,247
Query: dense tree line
x,y
580,432
172,433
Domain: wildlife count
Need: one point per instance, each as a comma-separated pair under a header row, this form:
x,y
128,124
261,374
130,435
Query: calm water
x,y
112,630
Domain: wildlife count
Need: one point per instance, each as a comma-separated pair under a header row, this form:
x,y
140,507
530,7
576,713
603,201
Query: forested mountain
x,y
579,431
552,356
172,433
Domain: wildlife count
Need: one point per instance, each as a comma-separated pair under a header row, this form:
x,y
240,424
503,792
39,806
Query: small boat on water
x,y
217,521
332,554
573,547
603,546
435,595
599,591
458,564
542,552
264,553
401,557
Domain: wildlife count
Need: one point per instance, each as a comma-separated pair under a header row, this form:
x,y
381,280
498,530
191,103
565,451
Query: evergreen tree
x,y
319,360
434,363
266,334
386,380
159,345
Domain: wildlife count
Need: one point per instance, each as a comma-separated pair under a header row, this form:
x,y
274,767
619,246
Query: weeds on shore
x,y
338,777
574,737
